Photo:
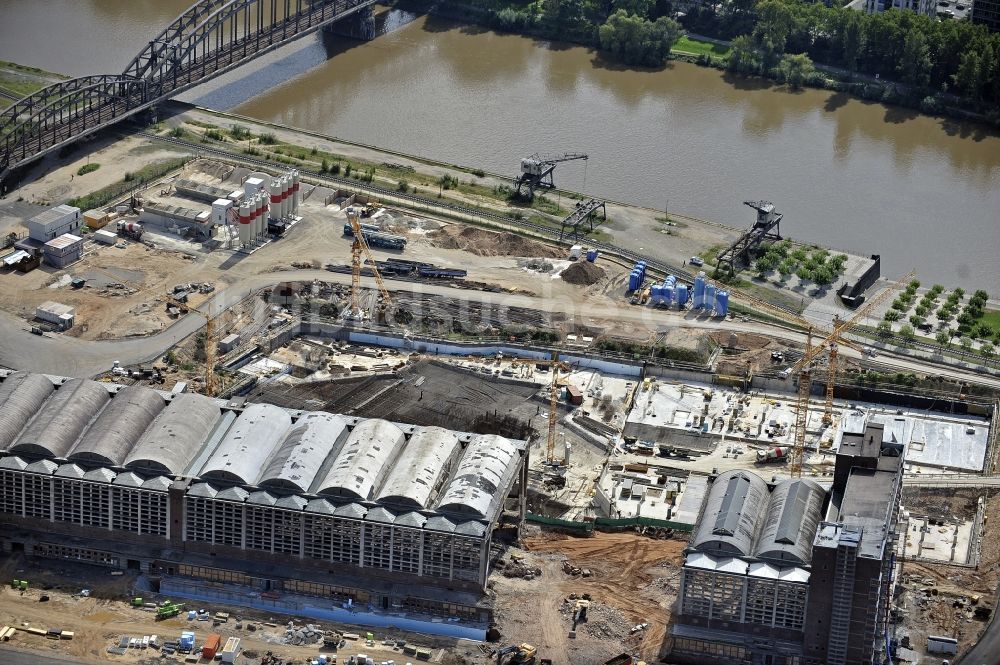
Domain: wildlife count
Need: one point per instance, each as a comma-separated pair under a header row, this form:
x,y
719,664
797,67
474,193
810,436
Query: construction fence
x,y
607,523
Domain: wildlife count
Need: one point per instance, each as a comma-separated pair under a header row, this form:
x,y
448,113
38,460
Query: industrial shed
x,y
175,478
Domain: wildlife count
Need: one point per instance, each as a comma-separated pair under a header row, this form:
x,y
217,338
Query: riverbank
x,y
709,52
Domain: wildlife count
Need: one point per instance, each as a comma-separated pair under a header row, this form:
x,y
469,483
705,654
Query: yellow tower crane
x,y
210,343
556,365
359,247
803,366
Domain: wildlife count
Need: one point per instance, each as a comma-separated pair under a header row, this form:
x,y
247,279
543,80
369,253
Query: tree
x,y
987,350
917,320
774,24
983,331
884,329
795,69
907,333
743,56
943,337
892,315
915,64
638,41
851,40
641,8
966,343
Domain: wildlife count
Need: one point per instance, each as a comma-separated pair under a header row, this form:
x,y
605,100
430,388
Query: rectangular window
x,y
37,493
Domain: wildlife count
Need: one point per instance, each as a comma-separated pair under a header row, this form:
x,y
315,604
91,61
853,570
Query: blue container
x,y
682,295
722,303
699,291
654,294
668,295
592,255
709,301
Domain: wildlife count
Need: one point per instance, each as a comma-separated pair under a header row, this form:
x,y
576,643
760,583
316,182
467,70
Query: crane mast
x,y
556,365
358,248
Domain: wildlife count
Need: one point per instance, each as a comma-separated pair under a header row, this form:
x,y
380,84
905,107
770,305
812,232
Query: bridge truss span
x,y
210,38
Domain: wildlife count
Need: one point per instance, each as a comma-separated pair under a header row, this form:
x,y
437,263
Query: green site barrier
x,y
643,521
620,523
586,527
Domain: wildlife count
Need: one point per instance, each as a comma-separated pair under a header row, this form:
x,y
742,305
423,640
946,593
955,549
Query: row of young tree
x,y
928,55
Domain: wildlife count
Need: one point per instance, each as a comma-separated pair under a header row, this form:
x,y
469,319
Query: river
x,y
922,192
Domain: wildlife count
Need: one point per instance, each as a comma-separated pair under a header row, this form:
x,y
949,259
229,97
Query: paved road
x,y
68,356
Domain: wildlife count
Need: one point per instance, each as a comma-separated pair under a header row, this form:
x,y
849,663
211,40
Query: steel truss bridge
x,y
210,38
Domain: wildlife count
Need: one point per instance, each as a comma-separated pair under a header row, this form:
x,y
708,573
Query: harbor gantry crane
x,y
536,172
359,247
210,343
556,365
804,367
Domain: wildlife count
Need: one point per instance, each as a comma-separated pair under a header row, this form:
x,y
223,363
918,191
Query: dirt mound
x,y
488,243
583,272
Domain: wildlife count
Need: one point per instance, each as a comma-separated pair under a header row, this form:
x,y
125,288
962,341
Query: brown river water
x,y
923,192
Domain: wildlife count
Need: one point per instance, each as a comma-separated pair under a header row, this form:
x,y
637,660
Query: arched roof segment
x,y
732,514
63,418
21,396
246,447
474,489
119,426
422,468
364,461
175,435
792,519
314,437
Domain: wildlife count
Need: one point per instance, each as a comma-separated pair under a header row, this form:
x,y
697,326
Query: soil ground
x,y
99,620
938,598
632,582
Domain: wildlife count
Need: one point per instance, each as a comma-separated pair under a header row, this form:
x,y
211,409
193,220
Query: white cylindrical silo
x,y
245,213
274,190
286,195
265,206
296,197
259,212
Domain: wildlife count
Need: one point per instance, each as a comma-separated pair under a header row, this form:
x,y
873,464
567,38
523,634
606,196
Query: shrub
x,y
335,169
403,186
892,315
239,132
479,173
214,135
88,168
270,139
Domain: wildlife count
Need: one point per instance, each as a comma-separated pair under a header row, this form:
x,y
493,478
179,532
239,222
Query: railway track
x,y
490,216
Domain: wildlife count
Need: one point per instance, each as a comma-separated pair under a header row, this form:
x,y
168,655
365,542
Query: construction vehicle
x,y
519,653
131,230
359,247
536,173
556,365
168,610
771,455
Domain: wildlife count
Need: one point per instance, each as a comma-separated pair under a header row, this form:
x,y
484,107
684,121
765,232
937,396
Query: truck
x,y
168,610
771,455
131,230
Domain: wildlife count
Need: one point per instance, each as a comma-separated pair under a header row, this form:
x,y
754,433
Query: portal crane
x,y
536,172
210,343
556,365
805,374
359,247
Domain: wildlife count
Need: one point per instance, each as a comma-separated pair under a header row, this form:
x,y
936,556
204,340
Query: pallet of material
x,y
35,631
6,633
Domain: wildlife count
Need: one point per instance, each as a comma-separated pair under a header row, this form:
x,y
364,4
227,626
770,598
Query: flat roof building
x,y
54,222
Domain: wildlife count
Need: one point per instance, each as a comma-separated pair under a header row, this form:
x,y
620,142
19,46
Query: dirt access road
x,y
633,581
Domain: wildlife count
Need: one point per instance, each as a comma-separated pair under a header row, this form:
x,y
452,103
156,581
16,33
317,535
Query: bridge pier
x,y
359,25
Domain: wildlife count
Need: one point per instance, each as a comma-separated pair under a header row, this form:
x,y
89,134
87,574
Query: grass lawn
x,y
687,45
991,317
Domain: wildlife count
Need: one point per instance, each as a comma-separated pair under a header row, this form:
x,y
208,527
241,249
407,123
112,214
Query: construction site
x,y
285,399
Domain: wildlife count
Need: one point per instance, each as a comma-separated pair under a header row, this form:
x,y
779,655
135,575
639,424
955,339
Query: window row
x,y
333,539
83,503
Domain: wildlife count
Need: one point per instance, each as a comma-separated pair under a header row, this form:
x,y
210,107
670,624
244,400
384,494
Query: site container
x,y
211,646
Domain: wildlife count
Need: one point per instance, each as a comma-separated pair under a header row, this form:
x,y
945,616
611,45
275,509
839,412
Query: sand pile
x,y
584,273
488,243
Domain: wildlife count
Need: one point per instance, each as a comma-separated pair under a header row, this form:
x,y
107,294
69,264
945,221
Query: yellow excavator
x,y
519,653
